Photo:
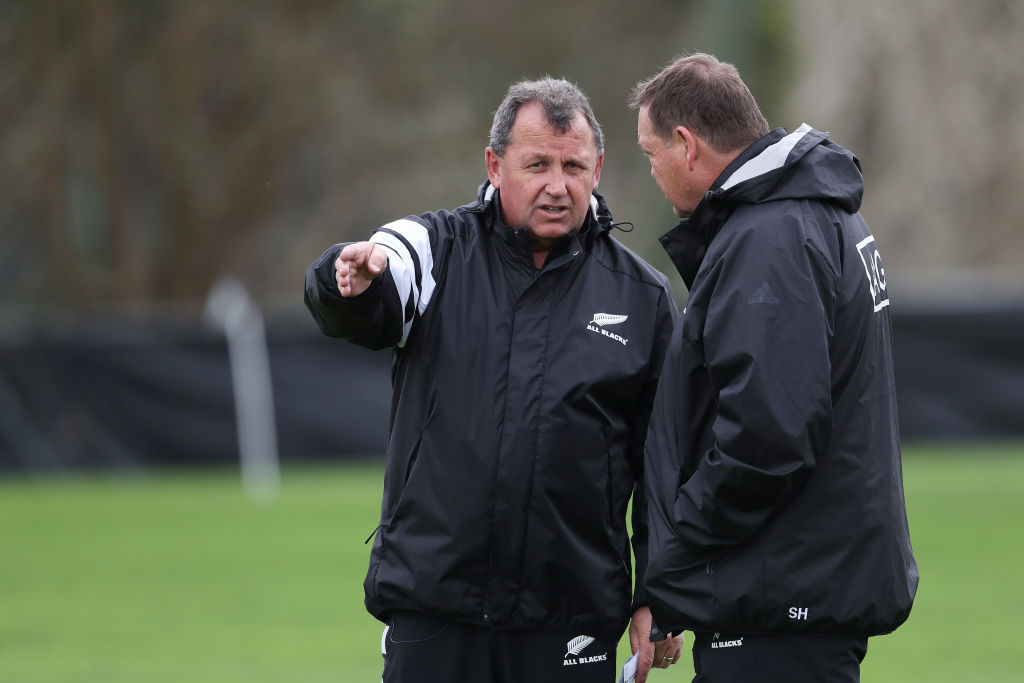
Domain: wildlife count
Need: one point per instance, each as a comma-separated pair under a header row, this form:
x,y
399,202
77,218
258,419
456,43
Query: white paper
x,y
628,670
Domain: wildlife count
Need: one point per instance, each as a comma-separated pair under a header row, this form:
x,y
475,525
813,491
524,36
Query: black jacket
x,y
773,461
521,402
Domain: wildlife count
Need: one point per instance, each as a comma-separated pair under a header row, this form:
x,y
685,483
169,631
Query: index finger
x,y
355,253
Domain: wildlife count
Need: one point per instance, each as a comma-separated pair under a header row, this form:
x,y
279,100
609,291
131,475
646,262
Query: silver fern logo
x,y
576,645
602,320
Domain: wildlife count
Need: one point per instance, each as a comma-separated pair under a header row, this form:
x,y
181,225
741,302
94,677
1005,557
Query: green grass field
x,y
177,577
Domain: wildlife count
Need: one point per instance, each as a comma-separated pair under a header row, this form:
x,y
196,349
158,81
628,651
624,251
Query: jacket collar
x,y
599,218
802,165
688,241
767,154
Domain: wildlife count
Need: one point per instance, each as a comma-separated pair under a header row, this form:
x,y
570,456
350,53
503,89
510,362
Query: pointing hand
x,y
357,266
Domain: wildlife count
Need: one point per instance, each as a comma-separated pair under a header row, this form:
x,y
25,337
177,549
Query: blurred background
x,y
168,169
149,151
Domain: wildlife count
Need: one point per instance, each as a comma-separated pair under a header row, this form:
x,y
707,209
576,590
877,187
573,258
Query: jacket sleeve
x,y
373,319
667,315
766,345
383,315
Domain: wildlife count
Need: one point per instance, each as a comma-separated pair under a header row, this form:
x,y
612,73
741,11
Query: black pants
x,y
421,649
724,658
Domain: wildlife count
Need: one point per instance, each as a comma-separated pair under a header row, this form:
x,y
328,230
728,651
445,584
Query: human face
x,y
671,167
546,178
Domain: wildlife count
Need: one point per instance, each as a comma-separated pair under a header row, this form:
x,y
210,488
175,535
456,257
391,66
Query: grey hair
x,y
561,101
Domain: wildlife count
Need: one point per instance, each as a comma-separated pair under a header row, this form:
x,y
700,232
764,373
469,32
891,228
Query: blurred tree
x,y
147,149
142,144
930,95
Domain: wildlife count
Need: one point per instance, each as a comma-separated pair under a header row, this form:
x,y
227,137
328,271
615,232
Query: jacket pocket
x,y
398,486
399,490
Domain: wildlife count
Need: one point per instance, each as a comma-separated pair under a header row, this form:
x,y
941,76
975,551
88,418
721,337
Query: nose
x,y
556,183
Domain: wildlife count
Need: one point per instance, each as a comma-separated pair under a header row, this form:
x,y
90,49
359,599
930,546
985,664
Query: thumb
x,y
377,259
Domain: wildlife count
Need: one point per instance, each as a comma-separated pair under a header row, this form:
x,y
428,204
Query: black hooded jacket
x,y
521,403
773,461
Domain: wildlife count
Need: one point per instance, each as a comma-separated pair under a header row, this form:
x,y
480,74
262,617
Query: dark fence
x,y
128,393
114,392
960,375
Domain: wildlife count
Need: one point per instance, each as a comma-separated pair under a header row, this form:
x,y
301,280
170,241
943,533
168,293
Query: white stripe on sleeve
x,y
401,268
411,244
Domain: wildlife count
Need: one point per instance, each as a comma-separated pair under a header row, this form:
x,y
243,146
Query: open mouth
x,y
554,210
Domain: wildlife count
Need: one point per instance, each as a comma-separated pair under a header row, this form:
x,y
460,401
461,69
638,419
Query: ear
x,y
493,163
683,135
597,170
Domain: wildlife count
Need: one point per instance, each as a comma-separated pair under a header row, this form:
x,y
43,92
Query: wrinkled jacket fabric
x,y
773,461
521,399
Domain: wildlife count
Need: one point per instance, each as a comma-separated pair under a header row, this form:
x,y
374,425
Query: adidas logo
x,y
763,295
601,320
577,645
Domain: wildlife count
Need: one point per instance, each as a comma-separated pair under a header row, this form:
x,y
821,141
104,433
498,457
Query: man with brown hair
x,y
778,527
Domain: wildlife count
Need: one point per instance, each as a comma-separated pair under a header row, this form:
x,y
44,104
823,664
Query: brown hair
x,y
705,95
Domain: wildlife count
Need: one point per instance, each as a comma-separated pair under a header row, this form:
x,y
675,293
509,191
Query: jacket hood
x,y
804,164
599,213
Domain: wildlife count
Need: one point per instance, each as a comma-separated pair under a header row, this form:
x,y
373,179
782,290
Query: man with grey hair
x,y
527,349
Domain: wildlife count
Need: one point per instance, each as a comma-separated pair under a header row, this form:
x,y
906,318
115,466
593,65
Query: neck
x,y
718,164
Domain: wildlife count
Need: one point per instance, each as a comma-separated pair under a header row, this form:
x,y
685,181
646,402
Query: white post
x,y
230,308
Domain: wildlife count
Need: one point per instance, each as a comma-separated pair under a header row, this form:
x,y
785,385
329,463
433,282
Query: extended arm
x,y
372,292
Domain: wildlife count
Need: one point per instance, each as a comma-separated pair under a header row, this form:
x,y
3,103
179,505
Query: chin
x,y
551,232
